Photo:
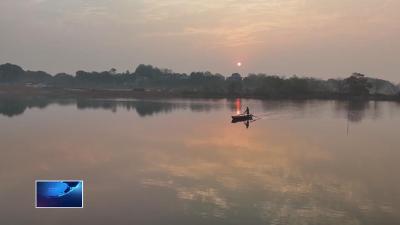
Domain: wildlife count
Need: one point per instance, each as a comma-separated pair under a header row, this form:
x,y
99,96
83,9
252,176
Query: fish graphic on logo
x,y
59,194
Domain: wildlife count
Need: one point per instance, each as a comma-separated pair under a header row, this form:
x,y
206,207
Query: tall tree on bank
x,y
357,85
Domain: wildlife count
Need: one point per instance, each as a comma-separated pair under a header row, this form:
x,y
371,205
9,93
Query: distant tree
x,y
207,83
335,85
148,71
63,79
294,86
379,86
235,77
36,77
113,71
235,84
357,85
264,85
10,73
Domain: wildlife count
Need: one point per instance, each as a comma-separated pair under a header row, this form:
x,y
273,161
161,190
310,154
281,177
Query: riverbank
x,y
24,91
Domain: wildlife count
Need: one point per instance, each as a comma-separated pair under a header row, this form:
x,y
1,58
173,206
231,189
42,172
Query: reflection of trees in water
x,y
273,105
289,109
298,105
356,111
204,107
143,108
91,104
377,109
146,108
232,103
13,106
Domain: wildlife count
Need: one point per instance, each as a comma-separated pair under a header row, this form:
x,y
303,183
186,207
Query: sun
x,y
239,64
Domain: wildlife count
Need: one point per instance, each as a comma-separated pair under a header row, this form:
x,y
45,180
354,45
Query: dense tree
x,y
357,85
148,71
36,77
204,83
235,84
63,80
10,73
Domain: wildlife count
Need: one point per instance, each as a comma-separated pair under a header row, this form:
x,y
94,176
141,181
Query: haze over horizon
x,y
320,38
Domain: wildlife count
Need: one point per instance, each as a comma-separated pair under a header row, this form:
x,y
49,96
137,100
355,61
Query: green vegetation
x,y
149,78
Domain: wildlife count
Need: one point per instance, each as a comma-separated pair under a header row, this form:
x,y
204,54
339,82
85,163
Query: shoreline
x,y
58,92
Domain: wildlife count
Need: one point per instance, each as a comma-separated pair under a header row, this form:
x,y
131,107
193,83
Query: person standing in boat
x,y
247,111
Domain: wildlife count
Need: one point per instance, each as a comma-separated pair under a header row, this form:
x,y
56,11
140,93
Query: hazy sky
x,y
322,38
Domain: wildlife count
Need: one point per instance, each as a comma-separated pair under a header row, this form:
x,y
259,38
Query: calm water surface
x,y
183,162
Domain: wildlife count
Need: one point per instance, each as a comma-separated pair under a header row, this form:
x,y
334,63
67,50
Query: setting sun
x,y
239,64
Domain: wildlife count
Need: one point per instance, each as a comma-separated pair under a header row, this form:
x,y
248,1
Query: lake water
x,y
184,162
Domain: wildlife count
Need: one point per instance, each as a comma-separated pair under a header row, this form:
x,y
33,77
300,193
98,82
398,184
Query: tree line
x,y
148,77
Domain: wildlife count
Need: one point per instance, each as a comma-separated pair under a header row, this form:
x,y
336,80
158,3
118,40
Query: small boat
x,y
241,117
